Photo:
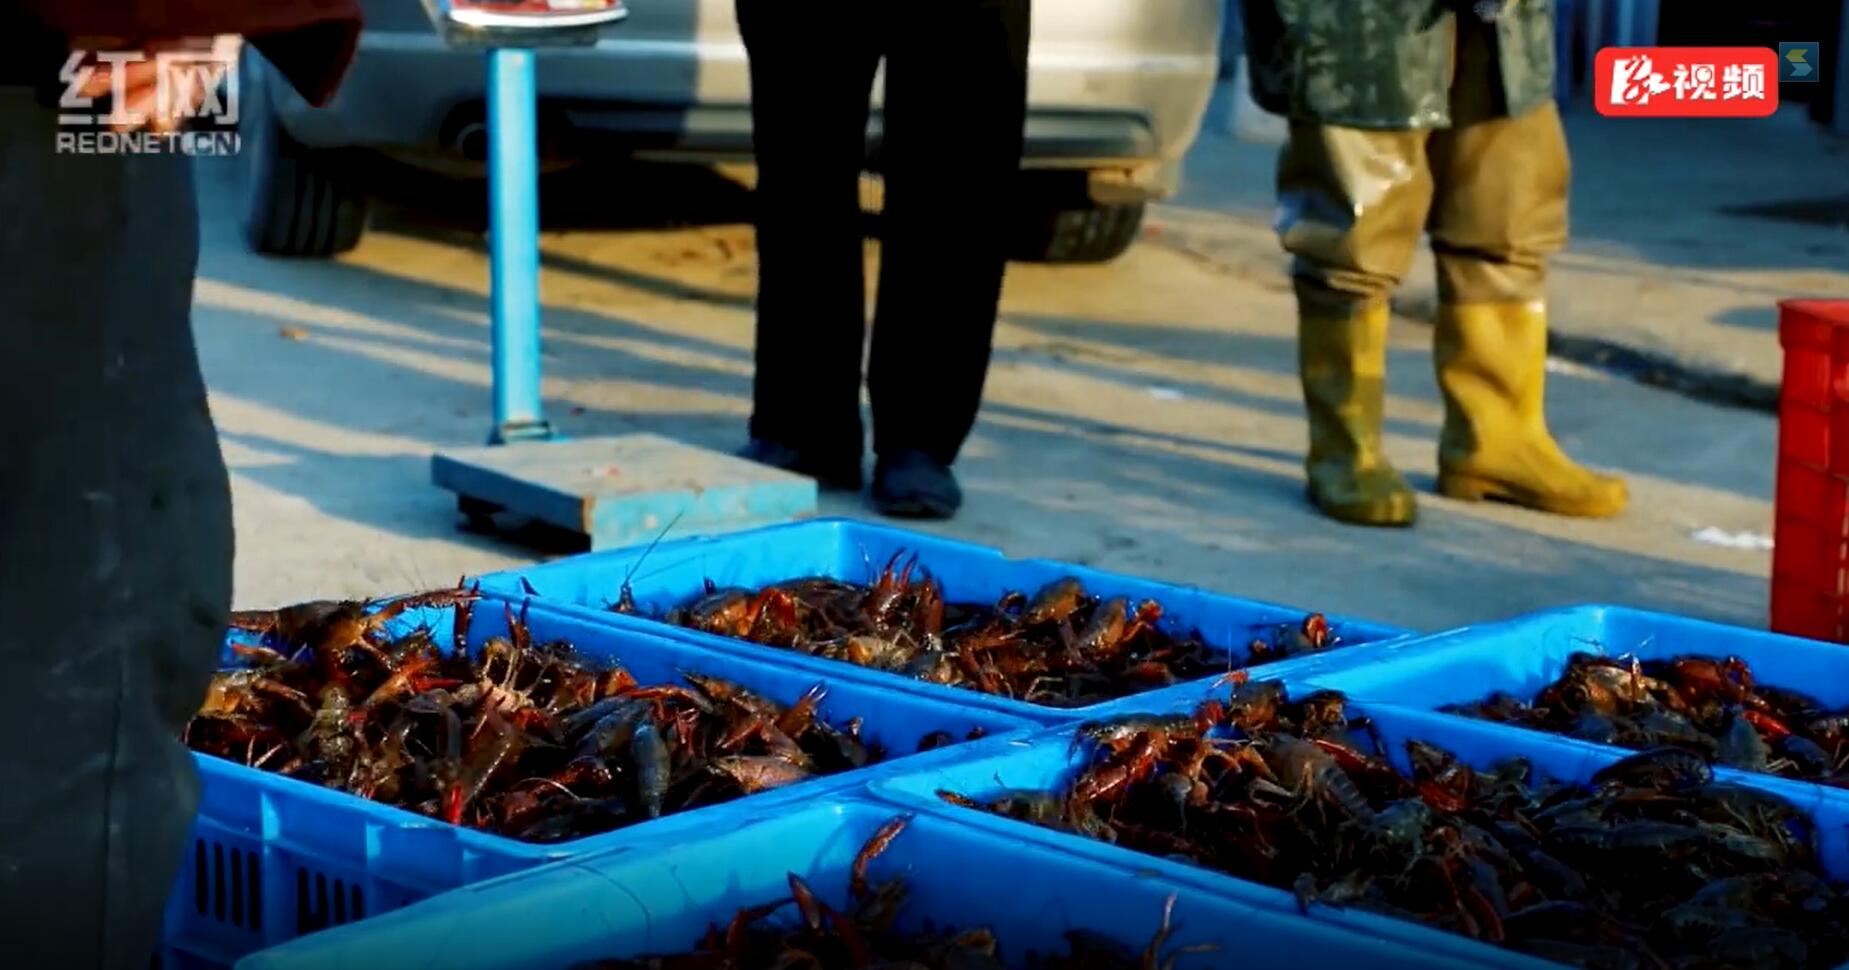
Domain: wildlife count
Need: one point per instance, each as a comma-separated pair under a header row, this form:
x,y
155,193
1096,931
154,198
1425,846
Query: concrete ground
x,y
1142,416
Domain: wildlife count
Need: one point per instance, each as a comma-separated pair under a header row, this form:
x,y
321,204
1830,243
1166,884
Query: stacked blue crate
x,y
273,858
967,869
1030,895
324,858
1051,761
1523,655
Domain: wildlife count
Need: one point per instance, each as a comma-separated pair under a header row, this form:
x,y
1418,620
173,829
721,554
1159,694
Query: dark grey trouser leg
x,y
956,100
812,68
115,543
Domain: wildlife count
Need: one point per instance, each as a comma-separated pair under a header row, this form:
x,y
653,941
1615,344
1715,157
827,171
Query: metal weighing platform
x,y
616,490
624,490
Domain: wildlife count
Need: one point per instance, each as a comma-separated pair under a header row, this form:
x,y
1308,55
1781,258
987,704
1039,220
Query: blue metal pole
x,y
513,246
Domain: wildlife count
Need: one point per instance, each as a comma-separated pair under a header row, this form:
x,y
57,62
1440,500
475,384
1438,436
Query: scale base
x,y
624,490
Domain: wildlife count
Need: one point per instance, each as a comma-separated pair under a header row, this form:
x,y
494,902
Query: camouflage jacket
x,y
1386,63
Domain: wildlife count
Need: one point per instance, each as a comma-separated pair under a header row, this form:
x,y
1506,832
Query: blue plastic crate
x,y
1523,655
1047,761
675,572
273,858
631,904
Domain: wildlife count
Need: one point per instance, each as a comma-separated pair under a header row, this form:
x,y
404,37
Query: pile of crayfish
x,y
824,938
1060,647
1708,705
1652,864
522,739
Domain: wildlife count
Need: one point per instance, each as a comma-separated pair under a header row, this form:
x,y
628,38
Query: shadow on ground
x,y
626,195
396,364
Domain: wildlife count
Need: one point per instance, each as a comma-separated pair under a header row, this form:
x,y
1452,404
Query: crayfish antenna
x,y
1233,677
1154,949
1175,957
630,576
866,559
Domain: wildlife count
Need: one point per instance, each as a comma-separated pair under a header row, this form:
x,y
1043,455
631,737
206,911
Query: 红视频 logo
x,y
1686,82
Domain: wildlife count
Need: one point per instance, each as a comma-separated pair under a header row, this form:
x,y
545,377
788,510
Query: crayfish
x,y
1060,646
1650,862
520,737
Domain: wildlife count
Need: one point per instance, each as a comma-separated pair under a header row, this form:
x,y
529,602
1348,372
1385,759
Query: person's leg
x,y
115,543
1500,212
1352,205
956,96
812,67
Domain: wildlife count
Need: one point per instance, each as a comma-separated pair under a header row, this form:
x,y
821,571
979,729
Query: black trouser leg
x,y
115,544
956,94
812,67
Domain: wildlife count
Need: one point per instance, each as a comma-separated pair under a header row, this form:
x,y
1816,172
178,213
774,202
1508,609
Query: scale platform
x,y
624,490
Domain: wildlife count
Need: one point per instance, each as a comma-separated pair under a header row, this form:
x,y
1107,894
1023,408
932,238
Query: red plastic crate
x,y
1810,558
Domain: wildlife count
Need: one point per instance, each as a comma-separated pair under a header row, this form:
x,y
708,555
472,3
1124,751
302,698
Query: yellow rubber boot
x,y
1343,361
1492,364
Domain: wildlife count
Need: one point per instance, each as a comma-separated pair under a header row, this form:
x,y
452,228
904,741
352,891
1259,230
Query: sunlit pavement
x,y
1142,416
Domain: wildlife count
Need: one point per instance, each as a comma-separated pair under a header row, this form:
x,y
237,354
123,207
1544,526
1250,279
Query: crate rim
x,y
819,523
1800,791
511,586
1806,797
1040,714
1822,308
1269,900
1449,949
239,781
404,820
1598,611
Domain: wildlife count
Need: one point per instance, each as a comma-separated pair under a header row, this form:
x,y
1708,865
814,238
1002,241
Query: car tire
x,y
297,201
1093,234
